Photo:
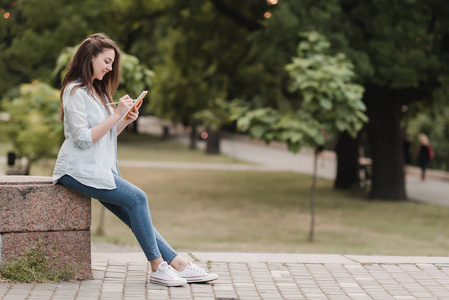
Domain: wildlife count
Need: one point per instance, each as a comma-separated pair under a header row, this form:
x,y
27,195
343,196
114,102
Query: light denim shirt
x,y
91,164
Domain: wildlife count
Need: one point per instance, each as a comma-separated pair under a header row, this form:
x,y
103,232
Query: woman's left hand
x,y
133,114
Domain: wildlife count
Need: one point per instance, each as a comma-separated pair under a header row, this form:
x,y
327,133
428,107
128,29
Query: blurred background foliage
x,y
205,54
33,124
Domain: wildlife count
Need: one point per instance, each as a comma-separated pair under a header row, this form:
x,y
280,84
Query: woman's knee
x,y
139,198
143,198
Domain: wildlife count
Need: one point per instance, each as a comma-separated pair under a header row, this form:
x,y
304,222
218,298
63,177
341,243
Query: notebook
x,y
136,103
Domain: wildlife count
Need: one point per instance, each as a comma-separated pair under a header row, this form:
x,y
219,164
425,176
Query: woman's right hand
x,y
124,104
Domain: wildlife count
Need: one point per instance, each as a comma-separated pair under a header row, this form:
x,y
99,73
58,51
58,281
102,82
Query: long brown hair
x,y
80,68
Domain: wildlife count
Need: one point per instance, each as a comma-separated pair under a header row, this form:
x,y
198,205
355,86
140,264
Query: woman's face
x,y
102,63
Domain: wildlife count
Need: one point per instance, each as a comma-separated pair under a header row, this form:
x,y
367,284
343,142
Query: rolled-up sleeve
x,y
76,114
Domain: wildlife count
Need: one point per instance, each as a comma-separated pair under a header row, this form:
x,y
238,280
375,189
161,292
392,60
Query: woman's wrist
x,y
117,116
122,125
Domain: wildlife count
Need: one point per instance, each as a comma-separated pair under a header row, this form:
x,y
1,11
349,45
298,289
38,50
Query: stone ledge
x,y
35,204
12,180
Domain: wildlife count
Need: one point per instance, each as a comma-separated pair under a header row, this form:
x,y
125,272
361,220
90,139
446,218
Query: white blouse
x,y
91,164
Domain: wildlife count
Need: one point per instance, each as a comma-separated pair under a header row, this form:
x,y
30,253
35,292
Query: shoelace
x,y
198,269
169,272
174,275
195,268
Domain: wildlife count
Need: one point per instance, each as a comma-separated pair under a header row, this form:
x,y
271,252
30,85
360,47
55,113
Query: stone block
x,y
33,203
36,213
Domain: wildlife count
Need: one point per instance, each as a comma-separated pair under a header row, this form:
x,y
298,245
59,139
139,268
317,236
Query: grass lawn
x,y
269,212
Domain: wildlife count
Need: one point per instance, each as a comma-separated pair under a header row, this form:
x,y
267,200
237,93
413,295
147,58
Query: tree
x,y
33,126
327,101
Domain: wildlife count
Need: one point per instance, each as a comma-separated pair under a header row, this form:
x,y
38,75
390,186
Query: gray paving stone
x,y
264,279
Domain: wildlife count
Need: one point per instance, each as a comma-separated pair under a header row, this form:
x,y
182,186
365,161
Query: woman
x,y
87,160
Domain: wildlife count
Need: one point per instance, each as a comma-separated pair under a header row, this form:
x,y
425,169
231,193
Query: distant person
x,y
87,161
424,154
406,145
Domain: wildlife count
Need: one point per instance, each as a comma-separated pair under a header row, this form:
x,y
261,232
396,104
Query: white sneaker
x,y
193,273
166,275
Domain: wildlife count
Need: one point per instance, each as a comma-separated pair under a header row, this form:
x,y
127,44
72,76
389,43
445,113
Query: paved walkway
x,y
256,276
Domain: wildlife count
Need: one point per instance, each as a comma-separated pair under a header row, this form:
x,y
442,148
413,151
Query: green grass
x,y
269,212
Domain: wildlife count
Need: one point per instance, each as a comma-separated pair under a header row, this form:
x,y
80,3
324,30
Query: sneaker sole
x,y
201,279
167,283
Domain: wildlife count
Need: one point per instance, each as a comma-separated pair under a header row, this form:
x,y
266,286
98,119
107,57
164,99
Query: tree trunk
x,y
100,229
11,158
165,132
193,137
312,197
347,150
384,135
213,142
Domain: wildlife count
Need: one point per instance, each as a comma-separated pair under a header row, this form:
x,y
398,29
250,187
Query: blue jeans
x,y
129,204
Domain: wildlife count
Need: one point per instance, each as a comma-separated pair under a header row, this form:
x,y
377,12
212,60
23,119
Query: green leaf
x,y
325,103
258,131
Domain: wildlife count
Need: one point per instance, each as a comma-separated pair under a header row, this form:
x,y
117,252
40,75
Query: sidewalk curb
x,y
240,257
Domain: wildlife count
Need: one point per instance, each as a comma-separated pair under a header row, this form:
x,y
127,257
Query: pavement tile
x,y
89,294
262,279
3,288
358,295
